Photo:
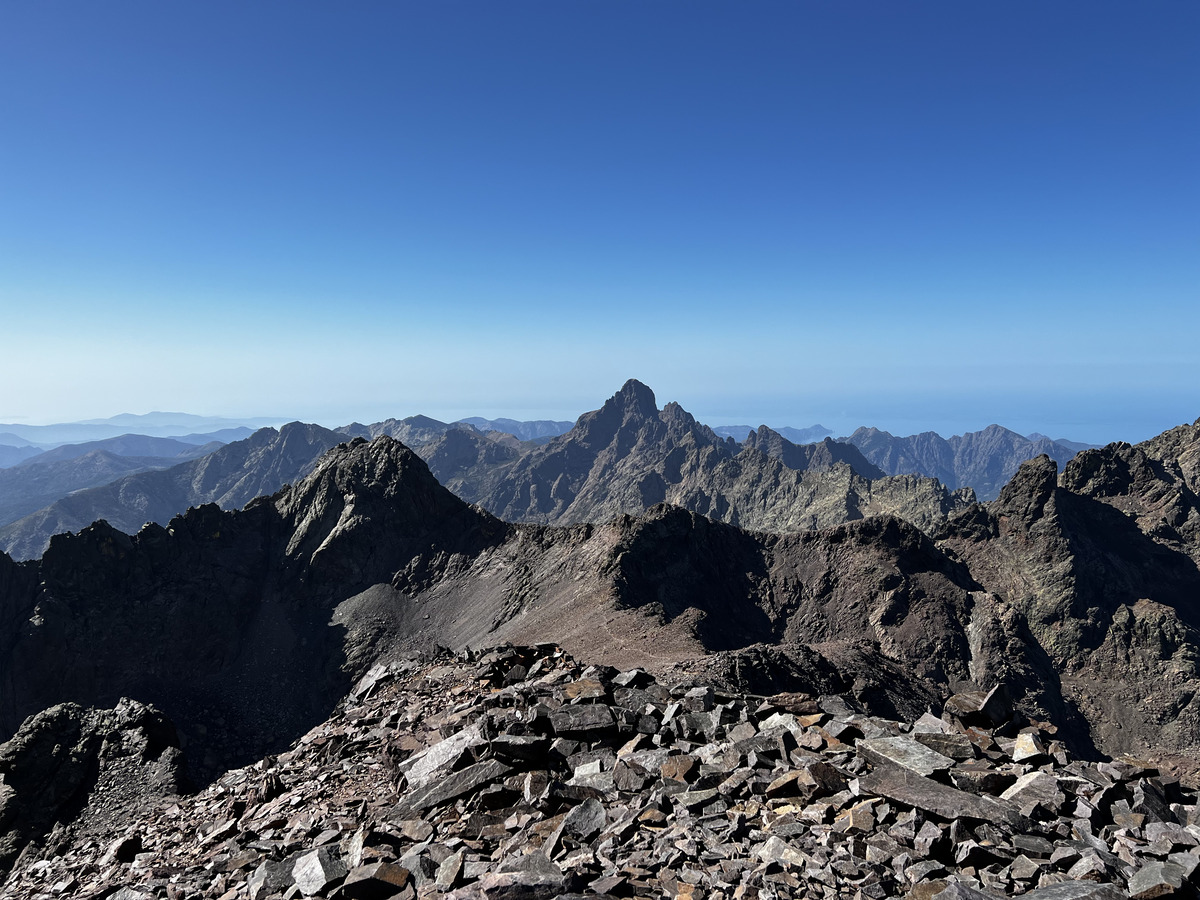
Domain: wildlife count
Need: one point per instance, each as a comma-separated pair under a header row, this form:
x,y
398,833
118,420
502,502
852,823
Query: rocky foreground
x,y
521,773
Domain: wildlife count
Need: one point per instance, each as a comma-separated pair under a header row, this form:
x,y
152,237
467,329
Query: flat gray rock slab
x,y
956,746
1033,788
317,870
456,784
423,767
958,891
905,752
582,720
1156,879
911,789
1077,890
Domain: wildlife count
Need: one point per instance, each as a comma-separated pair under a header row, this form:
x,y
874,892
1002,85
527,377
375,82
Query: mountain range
x,y
622,458
1075,591
182,426
231,475
808,435
475,469
524,431
982,460
1021,635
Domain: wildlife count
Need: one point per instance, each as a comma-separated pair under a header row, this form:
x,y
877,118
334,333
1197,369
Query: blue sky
x,y
918,216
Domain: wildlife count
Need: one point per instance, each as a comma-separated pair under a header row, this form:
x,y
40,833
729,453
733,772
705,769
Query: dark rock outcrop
x,y
222,619
1110,606
66,757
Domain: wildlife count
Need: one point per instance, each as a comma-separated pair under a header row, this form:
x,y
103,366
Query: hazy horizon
x,y
929,217
840,424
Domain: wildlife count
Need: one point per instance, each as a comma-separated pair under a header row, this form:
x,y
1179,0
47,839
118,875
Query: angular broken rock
x,y
377,881
775,849
454,785
317,870
756,803
1034,789
1028,746
959,891
915,790
584,820
956,746
583,720
993,707
1076,890
529,877
1156,879
271,877
422,767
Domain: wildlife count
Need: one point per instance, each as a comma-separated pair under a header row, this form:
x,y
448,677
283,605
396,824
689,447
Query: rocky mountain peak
x,y
371,488
1025,496
673,411
383,465
636,397
762,436
60,756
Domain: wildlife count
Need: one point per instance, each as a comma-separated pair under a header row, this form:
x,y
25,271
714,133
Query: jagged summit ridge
x,y
623,457
629,455
983,459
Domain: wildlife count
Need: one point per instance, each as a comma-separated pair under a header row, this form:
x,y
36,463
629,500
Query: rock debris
x,y
519,772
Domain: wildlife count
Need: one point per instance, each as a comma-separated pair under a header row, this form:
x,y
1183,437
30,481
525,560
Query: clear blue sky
x,y
912,215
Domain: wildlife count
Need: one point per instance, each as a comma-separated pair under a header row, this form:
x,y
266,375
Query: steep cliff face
x,y
1111,606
